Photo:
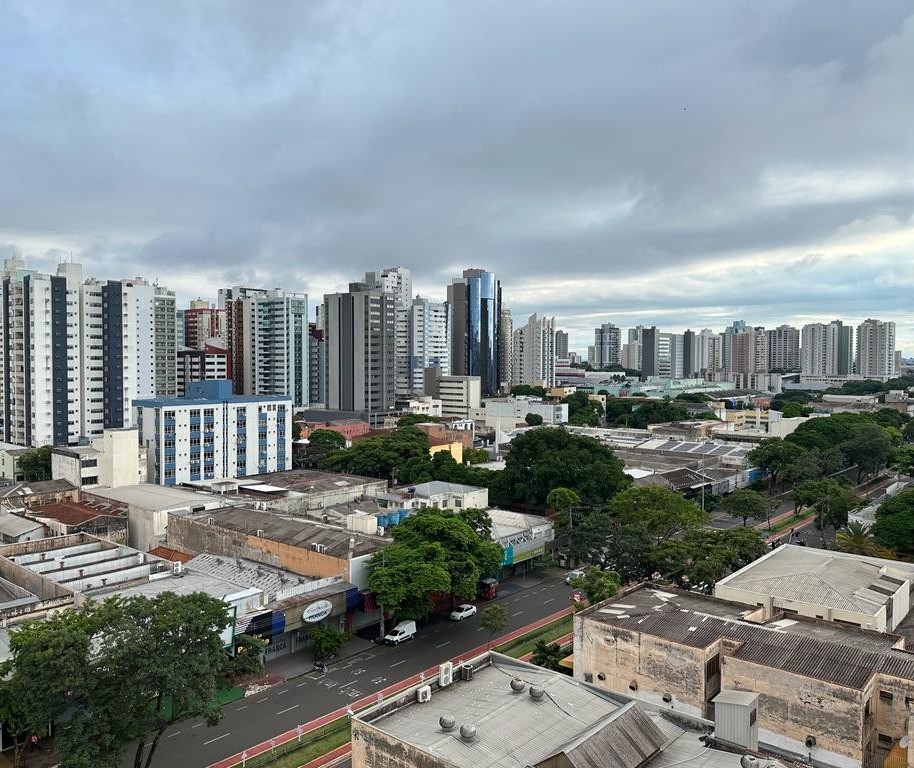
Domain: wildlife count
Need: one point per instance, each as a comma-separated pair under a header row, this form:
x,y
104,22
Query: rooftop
x,y
245,573
820,577
153,497
15,526
172,555
571,718
77,512
822,650
292,531
34,488
507,523
438,487
307,480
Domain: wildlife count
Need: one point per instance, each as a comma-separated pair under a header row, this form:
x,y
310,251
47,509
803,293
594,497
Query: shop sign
x,y
317,611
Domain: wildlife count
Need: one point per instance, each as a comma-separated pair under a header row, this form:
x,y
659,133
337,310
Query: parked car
x,y
405,630
573,575
462,612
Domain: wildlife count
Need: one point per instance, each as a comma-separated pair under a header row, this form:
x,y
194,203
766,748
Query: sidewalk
x,y
301,663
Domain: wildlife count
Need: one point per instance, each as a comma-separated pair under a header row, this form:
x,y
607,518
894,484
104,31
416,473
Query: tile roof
x,y
172,555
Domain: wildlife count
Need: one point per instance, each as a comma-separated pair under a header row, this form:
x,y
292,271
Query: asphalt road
x,y
259,717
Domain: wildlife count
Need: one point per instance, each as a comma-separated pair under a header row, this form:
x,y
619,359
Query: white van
x,y
405,630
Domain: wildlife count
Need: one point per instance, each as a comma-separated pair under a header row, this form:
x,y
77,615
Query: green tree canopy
x,y
582,411
832,500
746,504
411,419
703,556
533,420
871,449
380,456
775,456
858,539
597,585
443,467
543,459
653,412
326,641
403,579
660,512
894,527
494,619
35,464
547,655
526,390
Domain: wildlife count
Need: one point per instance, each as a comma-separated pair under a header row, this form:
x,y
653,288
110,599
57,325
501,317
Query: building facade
x,y
784,348
210,434
876,348
476,328
533,356
827,349
607,346
422,342
203,322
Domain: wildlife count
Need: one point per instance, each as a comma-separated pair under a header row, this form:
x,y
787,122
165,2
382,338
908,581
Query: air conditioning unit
x,y
445,674
466,671
176,567
424,694
260,533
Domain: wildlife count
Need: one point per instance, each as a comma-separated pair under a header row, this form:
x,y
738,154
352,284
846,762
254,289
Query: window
x,y
885,696
753,715
885,741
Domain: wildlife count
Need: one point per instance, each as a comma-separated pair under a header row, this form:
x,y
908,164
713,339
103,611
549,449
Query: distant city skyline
x,y
607,167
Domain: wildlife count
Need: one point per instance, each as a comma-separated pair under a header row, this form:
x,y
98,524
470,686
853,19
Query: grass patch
x,y
228,695
790,522
526,643
313,745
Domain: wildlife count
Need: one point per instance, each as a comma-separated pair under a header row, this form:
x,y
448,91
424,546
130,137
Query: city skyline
x,y
681,181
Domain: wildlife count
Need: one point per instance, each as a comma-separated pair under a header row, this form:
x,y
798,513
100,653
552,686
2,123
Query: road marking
x,y
172,735
240,708
398,663
517,614
301,684
480,629
263,699
548,601
447,642
197,725
287,709
217,738
282,692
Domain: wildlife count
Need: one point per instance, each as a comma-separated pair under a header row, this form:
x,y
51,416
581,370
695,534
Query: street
x,y
259,717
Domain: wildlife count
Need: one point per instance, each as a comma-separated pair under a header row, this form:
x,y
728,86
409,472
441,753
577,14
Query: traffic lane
x,y
259,717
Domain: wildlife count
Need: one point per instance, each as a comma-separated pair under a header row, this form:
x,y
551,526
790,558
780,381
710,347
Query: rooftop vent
x,y
447,723
537,693
468,732
518,685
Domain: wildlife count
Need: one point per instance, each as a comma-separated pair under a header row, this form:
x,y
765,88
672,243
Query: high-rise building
x,y
726,348
395,280
561,345
534,352
476,328
631,356
360,349
203,322
708,352
208,364
650,351
670,355
505,348
316,362
748,350
267,334
689,354
826,350
784,349
607,346
422,342
876,348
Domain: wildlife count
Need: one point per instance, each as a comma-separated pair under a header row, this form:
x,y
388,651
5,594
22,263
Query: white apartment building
x,y
784,348
607,346
459,395
395,280
708,351
876,348
422,341
669,355
631,355
210,434
826,349
268,341
533,354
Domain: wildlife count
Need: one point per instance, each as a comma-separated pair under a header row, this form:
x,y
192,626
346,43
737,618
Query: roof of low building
x,y
822,650
508,523
15,526
170,554
77,512
438,487
824,578
153,497
290,530
36,487
307,480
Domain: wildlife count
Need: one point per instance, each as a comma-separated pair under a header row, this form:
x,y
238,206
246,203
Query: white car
x,y
573,575
462,612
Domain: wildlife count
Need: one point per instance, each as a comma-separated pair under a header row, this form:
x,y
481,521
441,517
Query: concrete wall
x,y
148,528
197,536
373,749
119,460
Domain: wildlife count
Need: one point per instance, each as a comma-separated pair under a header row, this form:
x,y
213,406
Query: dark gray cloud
x,y
607,159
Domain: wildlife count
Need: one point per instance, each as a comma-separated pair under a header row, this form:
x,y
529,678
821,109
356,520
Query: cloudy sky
x,y
678,164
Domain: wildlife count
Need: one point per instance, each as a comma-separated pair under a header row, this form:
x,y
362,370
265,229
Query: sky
x,y
663,163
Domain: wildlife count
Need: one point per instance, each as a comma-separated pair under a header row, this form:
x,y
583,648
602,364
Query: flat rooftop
x,y
30,488
822,650
508,523
295,531
820,577
153,497
78,512
307,481
572,719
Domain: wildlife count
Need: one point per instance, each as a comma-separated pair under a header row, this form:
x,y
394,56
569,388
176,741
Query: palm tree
x,y
856,539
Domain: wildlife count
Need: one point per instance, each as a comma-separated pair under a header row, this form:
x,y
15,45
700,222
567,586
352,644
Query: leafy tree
x,y
589,534
582,411
380,456
654,412
443,467
543,459
889,417
494,619
43,673
35,464
903,460
248,658
296,430
526,390
832,500
775,456
560,501
475,455
894,527
692,397
321,443
479,521
533,420
858,539
547,655
827,433
660,512
326,641
411,419
617,408
907,432
793,410
746,504
703,556
870,449
629,550
597,585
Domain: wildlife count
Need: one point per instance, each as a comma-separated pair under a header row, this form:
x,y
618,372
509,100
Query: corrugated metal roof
x,y
626,741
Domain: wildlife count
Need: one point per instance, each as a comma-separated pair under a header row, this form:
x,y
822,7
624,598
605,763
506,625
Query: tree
x,y
479,521
582,411
560,501
380,456
526,390
894,526
547,655
870,449
321,443
543,459
533,420
831,499
411,419
494,619
296,430
326,641
660,512
35,464
746,504
907,432
793,410
903,460
775,456
703,556
858,539
597,585
475,455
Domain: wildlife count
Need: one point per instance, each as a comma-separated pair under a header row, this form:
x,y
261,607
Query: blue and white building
x,y
210,434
